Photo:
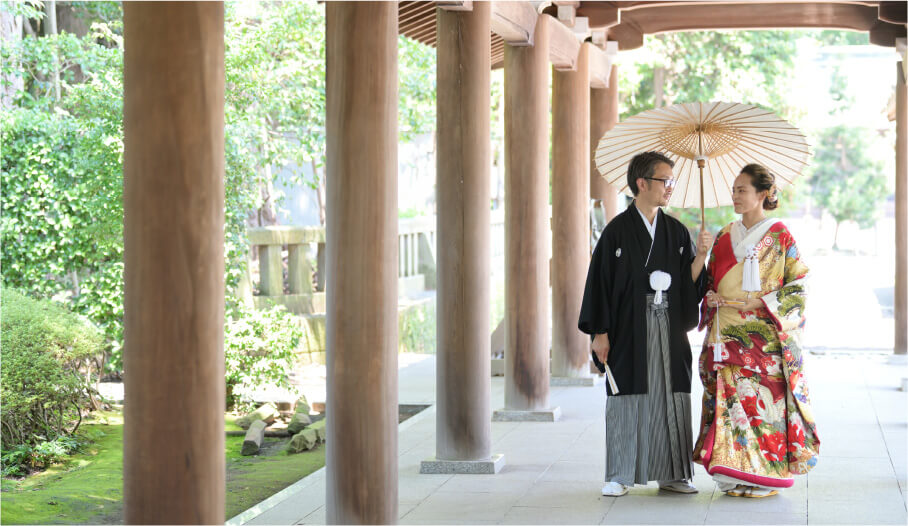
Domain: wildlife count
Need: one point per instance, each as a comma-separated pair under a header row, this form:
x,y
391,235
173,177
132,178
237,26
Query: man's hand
x,y
704,242
601,347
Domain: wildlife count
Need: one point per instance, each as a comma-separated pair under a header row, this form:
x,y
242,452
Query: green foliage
x,y
753,67
844,179
274,108
416,329
62,212
23,459
43,389
833,37
259,347
88,487
416,71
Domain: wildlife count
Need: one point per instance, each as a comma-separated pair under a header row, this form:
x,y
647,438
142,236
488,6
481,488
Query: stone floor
x,y
554,471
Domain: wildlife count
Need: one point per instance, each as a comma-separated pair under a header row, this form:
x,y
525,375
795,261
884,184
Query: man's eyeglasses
x,y
669,183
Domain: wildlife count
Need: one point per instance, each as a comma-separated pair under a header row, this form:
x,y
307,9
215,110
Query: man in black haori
x,y
643,289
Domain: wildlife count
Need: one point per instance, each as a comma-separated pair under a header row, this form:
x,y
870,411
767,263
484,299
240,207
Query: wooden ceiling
x,y
417,21
628,22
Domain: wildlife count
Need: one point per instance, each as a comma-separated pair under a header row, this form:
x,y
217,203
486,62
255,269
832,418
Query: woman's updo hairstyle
x,y
764,181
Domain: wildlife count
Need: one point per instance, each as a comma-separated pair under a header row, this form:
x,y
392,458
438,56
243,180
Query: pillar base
x,y
570,381
434,466
514,415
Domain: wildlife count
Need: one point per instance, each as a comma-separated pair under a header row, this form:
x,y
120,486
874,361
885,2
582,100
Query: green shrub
x,y
45,349
416,328
259,348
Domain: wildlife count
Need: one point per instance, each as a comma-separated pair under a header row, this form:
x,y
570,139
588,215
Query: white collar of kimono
x,y
650,227
743,239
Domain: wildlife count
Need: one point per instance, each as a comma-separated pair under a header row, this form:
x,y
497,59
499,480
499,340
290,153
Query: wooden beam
x,y
627,34
425,32
769,15
564,46
600,65
567,12
456,5
420,12
418,23
885,34
601,15
893,12
407,8
514,22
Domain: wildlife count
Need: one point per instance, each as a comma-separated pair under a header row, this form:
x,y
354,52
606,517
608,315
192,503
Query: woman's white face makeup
x,y
745,196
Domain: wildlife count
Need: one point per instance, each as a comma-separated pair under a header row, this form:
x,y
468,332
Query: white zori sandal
x,y
614,489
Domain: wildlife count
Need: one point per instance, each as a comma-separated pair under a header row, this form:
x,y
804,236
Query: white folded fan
x,y
611,379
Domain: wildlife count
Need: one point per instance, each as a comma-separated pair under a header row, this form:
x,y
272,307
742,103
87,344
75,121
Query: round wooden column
x,y
173,200
603,117
570,216
463,370
526,113
901,213
361,238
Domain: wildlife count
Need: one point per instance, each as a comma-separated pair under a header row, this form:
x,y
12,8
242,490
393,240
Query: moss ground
x,y
88,489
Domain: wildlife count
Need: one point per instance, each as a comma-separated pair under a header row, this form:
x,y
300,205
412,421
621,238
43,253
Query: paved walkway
x,y
554,471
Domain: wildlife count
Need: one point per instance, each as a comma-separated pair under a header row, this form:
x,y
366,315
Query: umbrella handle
x,y
701,163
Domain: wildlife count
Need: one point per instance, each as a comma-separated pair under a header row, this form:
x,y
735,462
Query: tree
x,y
62,227
62,173
846,181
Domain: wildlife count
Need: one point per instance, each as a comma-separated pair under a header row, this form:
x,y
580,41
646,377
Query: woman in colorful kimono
x,y
757,429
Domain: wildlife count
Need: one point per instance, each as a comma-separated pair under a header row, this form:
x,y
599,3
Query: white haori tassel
x,y
659,281
751,271
718,349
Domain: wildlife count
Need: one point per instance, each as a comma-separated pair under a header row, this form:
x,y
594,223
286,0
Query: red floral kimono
x,y
757,427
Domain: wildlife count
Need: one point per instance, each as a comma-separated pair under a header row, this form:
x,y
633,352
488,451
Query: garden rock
x,y
298,423
267,412
254,437
303,441
302,405
320,430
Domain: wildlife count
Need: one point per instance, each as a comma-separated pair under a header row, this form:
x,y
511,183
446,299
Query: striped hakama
x,y
648,436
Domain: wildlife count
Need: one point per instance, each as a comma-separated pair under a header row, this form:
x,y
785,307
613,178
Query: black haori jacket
x,y
614,301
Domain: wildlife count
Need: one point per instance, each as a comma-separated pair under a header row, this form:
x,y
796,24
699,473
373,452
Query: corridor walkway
x,y
553,471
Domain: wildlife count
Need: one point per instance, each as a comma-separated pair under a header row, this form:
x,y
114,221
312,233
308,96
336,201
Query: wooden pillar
x,y
603,117
173,200
463,370
526,113
570,217
361,288
901,213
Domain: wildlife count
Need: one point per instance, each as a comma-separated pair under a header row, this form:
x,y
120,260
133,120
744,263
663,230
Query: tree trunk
x,y
50,28
835,239
320,192
71,20
658,87
11,30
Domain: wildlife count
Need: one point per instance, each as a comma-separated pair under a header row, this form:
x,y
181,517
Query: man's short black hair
x,y
644,165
